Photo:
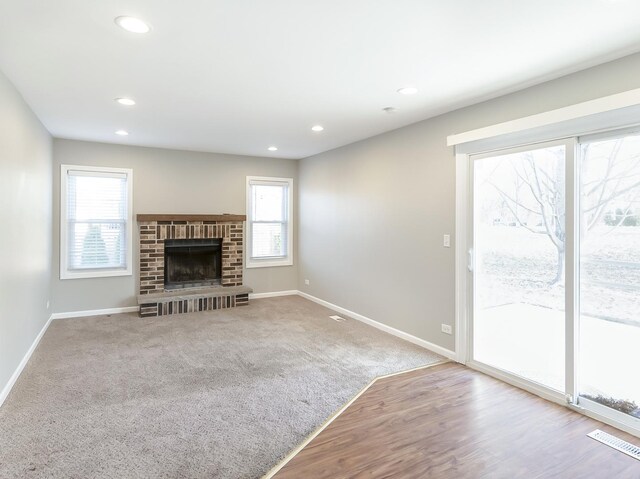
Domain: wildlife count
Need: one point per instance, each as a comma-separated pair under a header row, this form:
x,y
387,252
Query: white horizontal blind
x,y
269,218
97,212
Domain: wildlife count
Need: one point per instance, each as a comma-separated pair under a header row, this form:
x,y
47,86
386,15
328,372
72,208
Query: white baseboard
x,y
16,374
383,327
95,312
273,294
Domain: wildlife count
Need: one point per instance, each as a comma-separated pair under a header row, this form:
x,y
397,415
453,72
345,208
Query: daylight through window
x,y
95,222
269,221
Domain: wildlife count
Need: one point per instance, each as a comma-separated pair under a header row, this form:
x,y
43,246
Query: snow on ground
x,y
515,265
519,319
529,341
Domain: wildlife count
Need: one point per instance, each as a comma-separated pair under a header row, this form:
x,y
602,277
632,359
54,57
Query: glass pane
x,y
519,234
96,245
610,273
97,213
269,239
268,203
97,198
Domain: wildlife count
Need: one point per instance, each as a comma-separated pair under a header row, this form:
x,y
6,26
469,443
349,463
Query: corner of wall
x,y
26,256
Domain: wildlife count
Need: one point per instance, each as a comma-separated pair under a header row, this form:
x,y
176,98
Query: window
x,y
269,235
95,222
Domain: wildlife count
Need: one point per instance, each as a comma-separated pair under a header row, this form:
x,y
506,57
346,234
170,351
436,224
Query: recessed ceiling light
x,y
122,132
408,90
272,148
317,128
126,101
132,24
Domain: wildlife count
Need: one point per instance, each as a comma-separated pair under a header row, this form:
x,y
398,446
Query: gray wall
x,y
25,218
165,181
373,213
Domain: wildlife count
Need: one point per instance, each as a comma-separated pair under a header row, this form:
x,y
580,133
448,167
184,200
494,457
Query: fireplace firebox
x,y
192,263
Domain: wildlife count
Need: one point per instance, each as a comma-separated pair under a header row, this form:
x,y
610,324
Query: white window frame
x,y
65,273
271,261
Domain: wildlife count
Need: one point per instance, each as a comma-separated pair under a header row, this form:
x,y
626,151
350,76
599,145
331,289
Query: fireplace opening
x,y
191,263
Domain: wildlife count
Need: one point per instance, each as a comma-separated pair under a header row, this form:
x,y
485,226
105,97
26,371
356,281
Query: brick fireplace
x,y
225,291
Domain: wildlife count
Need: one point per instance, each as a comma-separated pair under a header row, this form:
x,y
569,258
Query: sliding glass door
x,y
519,237
609,361
555,264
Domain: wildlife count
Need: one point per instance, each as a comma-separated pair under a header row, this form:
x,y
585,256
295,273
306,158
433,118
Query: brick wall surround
x,y
155,229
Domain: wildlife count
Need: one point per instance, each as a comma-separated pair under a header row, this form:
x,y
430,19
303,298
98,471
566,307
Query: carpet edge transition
x,y
275,469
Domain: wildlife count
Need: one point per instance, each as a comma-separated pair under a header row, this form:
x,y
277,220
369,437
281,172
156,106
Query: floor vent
x,y
337,318
616,443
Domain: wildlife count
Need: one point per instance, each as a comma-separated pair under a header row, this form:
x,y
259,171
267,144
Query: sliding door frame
x,y
572,270
464,284
465,288
586,406
559,397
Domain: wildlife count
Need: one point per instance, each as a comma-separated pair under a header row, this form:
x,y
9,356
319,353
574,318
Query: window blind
x,y
269,219
97,207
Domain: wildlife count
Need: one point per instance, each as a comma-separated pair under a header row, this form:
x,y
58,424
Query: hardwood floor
x,y
449,421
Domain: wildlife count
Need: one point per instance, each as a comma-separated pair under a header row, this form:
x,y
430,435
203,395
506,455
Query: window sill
x,y
268,263
94,274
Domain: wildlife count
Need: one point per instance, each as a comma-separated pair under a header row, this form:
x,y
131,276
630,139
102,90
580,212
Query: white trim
x,y
16,374
94,312
269,262
129,225
93,273
383,327
572,112
511,378
607,415
572,270
610,134
273,294
462,249
529,386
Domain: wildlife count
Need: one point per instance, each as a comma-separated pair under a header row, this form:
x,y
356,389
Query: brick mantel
x,y
225,217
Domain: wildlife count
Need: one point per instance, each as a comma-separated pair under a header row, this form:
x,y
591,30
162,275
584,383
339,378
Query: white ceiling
x,y
236,76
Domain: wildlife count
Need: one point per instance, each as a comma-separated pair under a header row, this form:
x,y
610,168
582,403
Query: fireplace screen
x,y
192,262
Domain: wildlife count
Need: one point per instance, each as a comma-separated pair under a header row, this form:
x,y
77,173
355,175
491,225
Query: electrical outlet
x,y
306,281
447,241
447,329
48,304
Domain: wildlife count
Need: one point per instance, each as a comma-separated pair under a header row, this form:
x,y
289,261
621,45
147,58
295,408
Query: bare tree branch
x,y
509,198
613,196
525,226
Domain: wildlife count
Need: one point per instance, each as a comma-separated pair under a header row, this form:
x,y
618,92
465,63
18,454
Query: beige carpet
x,y
221,394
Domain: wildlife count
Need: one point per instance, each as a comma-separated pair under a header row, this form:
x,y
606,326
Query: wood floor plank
x,y
449,421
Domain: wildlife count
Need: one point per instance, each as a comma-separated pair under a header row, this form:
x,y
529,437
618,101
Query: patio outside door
x,y
609,379
556,271
519,233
